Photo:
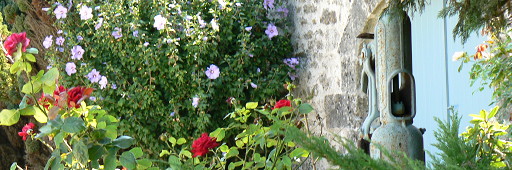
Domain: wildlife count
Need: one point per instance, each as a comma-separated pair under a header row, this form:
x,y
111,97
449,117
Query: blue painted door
x,y
438,83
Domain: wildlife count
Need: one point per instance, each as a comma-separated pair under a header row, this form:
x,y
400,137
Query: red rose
x,y
11,43
202,145
282,103
26,131
75,96
44,101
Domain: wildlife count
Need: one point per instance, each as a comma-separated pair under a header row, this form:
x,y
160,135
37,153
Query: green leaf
x,y
59,138
287,161
232,152
172,140
9,117
144,163
239,143
23,103
80,153
305,108
50,76
174,162
111,131
163,153
73,125
181,141
251,105
219,134
30,57
123,142
96,152
127,159
13,166
31,87
224,148
493,112
137,152
28,111
15,67
299,152
32,51
110,159
40,116
186,153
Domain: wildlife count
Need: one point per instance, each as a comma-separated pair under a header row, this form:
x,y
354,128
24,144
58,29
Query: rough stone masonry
x,y
324,38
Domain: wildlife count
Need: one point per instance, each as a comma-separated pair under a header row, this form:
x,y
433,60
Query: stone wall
x,y
325,38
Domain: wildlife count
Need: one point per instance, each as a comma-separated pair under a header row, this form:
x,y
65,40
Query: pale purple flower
x,y
117,33
172,114
238,4
212,72
254,85
94,76
60,40
98,25
48,67
271,31
97,8
291,62
283,10
114,86
215,26
136,33
160,22
251,55
60,12
60,32
202,24
60,49
195,101
188,17
268,4
70,68
48,41
205,38
248,28
292,76
258,70
103,82
92,98
146,44
79,38
77,52
45,9
85,13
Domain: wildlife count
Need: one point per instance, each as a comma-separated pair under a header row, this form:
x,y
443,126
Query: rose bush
x,y
169,66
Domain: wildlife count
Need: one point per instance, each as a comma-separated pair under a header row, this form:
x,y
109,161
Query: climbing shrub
x,y
169,66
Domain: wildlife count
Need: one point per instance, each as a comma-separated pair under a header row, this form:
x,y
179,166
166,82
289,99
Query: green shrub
x,y
154,71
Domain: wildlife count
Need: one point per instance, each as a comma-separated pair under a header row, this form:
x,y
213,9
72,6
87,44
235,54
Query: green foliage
x,y
259,140
474,15
484,145
8,89
158,72
492,67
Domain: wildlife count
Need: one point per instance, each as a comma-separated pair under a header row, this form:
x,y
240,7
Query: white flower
x,y
70,68
60,41
98,25
215,26
103,82
77,52
254,85
159,22
457,55
85,13
48,41
60,12
146,44
212,72
195,101
271,31
45,9
248,28
117,33
94,76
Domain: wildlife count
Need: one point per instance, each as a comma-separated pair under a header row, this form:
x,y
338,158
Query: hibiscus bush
x,y
260,139
169,66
